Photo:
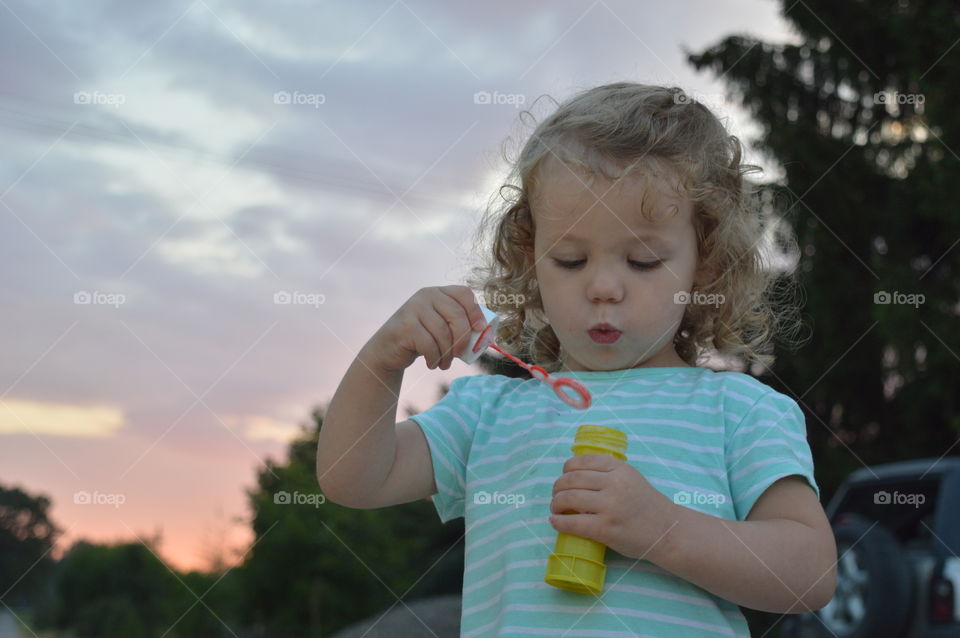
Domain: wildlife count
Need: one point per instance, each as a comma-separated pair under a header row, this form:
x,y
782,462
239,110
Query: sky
x,y
173,172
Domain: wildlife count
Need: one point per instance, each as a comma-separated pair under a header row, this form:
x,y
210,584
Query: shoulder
x,y
747,398
739,384
485,387
490,382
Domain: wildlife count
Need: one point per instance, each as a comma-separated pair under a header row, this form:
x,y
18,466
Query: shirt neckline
x,y
629,373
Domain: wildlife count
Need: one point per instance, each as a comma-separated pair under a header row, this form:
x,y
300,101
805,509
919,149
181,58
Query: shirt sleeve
x,y
769,443
449,428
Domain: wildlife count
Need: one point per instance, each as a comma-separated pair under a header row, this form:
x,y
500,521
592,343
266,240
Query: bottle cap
x,y
600,439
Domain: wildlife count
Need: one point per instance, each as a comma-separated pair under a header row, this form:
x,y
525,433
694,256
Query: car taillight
x,y
941,601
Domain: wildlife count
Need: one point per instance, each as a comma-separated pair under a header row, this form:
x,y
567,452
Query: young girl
x,y
628,254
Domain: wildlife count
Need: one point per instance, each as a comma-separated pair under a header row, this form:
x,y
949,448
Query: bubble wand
x,y
480,341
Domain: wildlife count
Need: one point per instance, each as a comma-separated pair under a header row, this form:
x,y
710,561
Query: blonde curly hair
x,y
622,126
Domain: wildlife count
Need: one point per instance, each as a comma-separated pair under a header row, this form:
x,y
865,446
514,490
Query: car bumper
x,y
942,631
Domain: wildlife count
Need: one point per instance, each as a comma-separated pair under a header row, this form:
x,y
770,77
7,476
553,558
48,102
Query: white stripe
x,y
685,487
610,588
516,468
601,610
498,513
661,393
633,395
573,633
531,523
766,482
562,443
466,430
520,564
473,567
693,469
635,459
738,455
579,418
436,436
763,463
777,425
749,400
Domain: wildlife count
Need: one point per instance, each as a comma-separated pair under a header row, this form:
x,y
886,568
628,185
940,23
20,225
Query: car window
x,y
902,506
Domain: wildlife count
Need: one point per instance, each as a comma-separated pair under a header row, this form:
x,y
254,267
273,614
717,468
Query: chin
x,y
593,365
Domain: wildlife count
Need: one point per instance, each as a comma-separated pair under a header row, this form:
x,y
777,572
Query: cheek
x,y
545,285
546,281
657,297
556,299
672,310
552,301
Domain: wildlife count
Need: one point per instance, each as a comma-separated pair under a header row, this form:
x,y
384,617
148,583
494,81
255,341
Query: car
x,y
897,527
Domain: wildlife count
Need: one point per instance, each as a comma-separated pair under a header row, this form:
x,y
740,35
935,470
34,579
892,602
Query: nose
x,y
605,285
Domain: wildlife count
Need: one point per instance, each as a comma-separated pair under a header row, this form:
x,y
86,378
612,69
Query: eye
x,y
639,265
645,265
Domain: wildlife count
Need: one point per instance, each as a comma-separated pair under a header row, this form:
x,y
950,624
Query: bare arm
x,y
364,459
781,559
357,443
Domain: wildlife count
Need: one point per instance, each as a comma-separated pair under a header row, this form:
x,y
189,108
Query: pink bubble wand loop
x,y
580,398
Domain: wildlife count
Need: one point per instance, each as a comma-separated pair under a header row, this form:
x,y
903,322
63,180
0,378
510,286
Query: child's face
x,y
602,231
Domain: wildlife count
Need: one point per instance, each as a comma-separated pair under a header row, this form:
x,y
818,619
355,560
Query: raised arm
x,y
364,459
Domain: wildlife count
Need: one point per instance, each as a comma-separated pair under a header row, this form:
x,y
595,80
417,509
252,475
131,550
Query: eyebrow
x,y
631,238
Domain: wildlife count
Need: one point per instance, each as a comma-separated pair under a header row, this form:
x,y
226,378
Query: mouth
x,y
604,333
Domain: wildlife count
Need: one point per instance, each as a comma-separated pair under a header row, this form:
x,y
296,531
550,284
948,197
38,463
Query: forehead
x,y
647,205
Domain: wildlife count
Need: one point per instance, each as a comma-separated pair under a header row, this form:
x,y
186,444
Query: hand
x,y
435,322
615,505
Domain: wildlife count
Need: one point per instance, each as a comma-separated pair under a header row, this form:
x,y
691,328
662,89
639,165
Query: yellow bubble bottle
x,y
577,563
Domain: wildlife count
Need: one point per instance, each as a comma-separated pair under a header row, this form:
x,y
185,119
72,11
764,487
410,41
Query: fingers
x,y
580,501
429,344
458,328
448,315
465,297
581,480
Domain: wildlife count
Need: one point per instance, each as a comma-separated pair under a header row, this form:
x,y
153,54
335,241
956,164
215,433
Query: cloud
x,y
17,416
257,427
99,195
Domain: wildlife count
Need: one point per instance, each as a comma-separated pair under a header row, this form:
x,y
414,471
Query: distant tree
x,y
125,590
861,114
26,536
220,611
315,567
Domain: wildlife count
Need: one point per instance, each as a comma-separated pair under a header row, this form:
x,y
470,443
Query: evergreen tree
x,y
861,114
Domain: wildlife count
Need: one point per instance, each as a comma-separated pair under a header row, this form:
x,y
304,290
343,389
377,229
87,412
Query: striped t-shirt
x,y
712,441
